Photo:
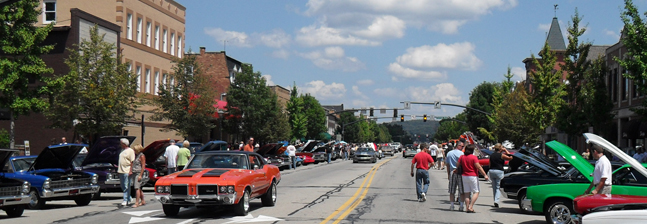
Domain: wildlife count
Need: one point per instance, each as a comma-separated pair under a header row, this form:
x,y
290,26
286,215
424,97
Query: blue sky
x,y
377,53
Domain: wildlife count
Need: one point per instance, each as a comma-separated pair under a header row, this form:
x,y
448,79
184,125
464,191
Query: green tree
x,y
499,94
297,118
98,92
397,133
278,128
248,101
481,98
452,128
512,123
635,61
348,127
315,115
547,96
4,138
596,99
188,104
20,63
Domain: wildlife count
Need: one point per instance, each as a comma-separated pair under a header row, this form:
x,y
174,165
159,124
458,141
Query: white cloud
x,y
268,80
322,91
359,93
519,73
323,35
388,92
365,82
444,15
281,53
443,92
239,39
275,39
360,103
333,58
457,55
384,27
401,72
612,33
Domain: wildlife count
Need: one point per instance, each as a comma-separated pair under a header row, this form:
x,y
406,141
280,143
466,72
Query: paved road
x,y
341,192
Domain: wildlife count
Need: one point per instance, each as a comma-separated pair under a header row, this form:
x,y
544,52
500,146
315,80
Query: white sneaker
x,y
460,208
424,197
124,203
451,207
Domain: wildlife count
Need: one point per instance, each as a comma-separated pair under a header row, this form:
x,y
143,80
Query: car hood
x,y
57,156
5,154
573,158
308,147
608,147
268,149
550,168
155,150
192,174
106,150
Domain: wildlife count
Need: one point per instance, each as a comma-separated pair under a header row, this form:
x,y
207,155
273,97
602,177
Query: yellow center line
x,y
354,201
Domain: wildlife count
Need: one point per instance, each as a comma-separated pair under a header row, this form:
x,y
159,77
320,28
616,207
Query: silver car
x,y
365,155
409,152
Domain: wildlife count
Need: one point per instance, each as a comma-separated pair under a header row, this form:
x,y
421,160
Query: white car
x,y
621,216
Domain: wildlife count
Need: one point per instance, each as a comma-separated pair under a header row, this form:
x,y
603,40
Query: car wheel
x,y
242,208
15,211
559,211
96,196
83,200
269,199
35,201
354,161
520,198
171,210
374,161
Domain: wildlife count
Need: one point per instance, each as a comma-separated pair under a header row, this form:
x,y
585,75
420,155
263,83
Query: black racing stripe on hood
x,y
214,173
188,173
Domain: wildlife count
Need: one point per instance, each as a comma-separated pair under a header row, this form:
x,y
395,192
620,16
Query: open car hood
x,y
268,149
5,154
308,147
529,158
155,150
106,150
57,156
575,159
608,147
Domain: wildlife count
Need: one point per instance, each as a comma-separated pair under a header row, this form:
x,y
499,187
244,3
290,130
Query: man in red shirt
x,y
422,162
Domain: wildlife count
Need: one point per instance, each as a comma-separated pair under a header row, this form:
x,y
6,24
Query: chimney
x,y
202,50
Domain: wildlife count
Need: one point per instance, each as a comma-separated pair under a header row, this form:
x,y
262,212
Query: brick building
x,y
282,95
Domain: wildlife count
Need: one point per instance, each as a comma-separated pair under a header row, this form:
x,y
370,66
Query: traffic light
x,y
395,113
371,113
424,118
401,118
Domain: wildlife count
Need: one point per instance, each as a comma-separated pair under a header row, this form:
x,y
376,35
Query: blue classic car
x,y
14,193
52,176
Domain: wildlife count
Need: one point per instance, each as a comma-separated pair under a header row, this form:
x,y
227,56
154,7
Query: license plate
x,y
74,192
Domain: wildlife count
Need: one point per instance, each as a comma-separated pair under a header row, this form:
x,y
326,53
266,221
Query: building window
x,y
179,46
164,39
157,37
615,85
172,81
139,30
172,43
157,82
164,78
49,11
625,86
148,34
147,83
139,78
129,26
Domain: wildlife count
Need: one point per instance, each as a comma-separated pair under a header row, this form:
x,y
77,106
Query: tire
x,y
171,210
520,197
36,202
559,211
83,200
96,196
374,160
15,211
354,161
242,208
269,198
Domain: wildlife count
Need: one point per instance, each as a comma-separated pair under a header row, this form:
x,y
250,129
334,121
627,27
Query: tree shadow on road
x,y
514,211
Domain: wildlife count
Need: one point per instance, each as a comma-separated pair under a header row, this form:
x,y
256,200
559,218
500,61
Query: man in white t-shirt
x,y
601,174
171,157
292,153
433,148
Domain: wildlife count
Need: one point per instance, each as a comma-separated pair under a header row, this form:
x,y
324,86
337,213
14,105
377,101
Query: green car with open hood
x,y
555,201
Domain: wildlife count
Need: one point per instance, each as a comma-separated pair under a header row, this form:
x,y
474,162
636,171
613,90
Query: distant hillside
x,y
419,127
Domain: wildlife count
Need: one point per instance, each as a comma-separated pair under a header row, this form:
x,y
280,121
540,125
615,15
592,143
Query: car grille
x,y
179,190
207,189
319,156
70,183
10,191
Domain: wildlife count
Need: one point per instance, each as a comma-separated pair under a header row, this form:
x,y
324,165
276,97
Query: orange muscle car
x,y
216,178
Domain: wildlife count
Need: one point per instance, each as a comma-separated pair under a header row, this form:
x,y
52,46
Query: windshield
x,y
229,161
365,150
23,164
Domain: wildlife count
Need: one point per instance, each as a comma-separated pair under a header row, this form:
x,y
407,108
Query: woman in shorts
x,y
470,166
139,166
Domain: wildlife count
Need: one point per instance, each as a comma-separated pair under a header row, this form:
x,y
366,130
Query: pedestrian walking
x,y
126,158
139,166
440,156
422,162
601,173
497,160
433,151
469,163
250,145
171,156
293,156
183,155
328,152
455,179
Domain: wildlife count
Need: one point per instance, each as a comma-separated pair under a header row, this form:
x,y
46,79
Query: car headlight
x,y
280,160
226,189
95,179
163,189
230,189
46,184
108,176
155,174
25,187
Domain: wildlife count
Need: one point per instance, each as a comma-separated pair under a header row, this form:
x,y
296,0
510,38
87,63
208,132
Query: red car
x,y
306,152
155,161
585,203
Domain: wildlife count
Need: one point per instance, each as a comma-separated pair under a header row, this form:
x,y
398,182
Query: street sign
x,y
382,111
407,105
413,117
437,105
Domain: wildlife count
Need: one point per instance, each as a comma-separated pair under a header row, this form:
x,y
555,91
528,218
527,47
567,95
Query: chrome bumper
x,y
60,192
113,181
14,200
226,199
526,204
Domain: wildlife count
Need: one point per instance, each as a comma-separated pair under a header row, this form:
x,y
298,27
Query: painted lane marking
x,y
250,218
186,221
145,219
140,213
